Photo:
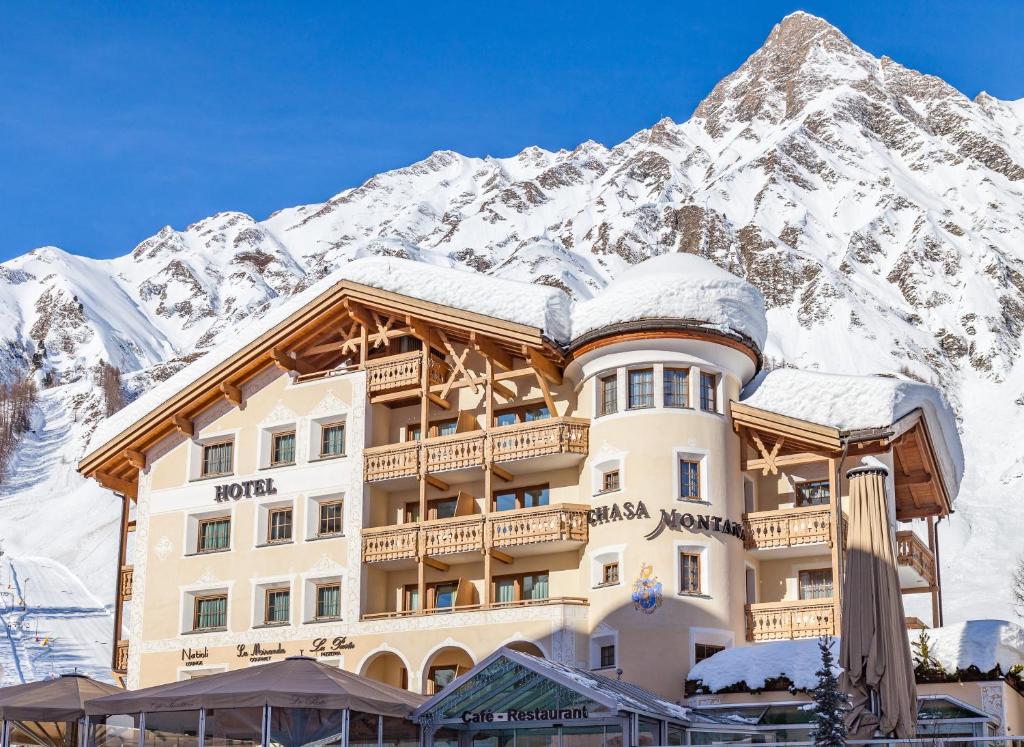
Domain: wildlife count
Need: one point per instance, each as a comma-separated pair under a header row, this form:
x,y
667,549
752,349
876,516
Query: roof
x,y
297,681
984,644
61,699
851,404
616,695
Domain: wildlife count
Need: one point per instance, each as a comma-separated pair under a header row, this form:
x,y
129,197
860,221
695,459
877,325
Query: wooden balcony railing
x,y
912,551
125,582
463,450
121,657
477,607
781,620
789,527
474,533
402,372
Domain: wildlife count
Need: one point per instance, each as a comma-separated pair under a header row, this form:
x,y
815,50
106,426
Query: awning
x,y
61,699
295,682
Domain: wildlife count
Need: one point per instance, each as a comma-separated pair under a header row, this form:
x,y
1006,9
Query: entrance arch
x,y
387,667
443,666
527,647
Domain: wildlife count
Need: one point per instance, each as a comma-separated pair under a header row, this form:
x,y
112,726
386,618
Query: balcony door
x,y
815,584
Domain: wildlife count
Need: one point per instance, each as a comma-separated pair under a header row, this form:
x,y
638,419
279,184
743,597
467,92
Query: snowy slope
x,y
878,210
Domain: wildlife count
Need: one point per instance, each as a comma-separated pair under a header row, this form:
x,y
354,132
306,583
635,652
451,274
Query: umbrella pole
x,y
4,736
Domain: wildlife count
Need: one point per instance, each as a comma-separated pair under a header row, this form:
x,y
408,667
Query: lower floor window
x,y
211,612
607,655
277,606
441,676
816,584
328,601
689,573
702,651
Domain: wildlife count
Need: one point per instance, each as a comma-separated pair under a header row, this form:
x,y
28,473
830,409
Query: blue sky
x,y
119,118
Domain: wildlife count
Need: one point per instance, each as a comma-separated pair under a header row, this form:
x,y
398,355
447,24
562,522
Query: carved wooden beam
x,y
435,563
488,349
768,456
135,458
502,473
184,425
501,556
458,366
125,487
544,367
286,362
231,392
435,482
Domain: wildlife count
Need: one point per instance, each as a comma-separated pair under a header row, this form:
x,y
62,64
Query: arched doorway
x,y
526,647
387,667
443,666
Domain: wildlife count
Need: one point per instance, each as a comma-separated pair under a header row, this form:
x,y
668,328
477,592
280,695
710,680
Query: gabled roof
x,y
499,680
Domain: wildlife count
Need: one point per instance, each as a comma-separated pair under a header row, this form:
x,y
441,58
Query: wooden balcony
x,y
916,563
551,443
577,601
530,530
915,623
125,580
121,657
397,373
790,531
808,618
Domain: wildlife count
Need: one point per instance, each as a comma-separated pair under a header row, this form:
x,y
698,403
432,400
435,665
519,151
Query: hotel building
x,y
405,468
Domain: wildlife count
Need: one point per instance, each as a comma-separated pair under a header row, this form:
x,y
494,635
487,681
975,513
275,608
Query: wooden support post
x,y
549,401
489,350
488,480
837,545
543,366
424,422
363,342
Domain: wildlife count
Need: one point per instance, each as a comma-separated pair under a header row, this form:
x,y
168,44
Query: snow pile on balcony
x,y
758,663
678,287
980,643
852,403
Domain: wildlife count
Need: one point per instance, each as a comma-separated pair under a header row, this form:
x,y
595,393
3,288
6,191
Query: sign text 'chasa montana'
x,y
673,520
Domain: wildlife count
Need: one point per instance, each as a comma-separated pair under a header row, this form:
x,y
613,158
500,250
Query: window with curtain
x,y
211,612
689,573
328,601
214,534
521,587
641,388
525,497
816,583
279,525
689,479
217,459
708,395
284,448
332,440
677,387
277,606
330,519
608,388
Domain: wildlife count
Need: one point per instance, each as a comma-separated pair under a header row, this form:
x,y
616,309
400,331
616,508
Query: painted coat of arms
x,y
646,590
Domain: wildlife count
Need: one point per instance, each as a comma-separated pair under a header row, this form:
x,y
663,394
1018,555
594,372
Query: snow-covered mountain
x,y
880,211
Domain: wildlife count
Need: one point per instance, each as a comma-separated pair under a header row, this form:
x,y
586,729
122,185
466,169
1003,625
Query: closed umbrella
x,y
874,650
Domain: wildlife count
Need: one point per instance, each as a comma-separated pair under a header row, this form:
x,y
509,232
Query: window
x,y
610,573
279,525
708,396
526,414
283,449
437,508
217,459
438,428
277,606
330,519
442,676
442,595
608,395
689,479
328,601
702,651
607,656
332,440
689,573
816,583
521,587
210,612
677,387
812,493
515,498
214,534
610,481
411,598
641,388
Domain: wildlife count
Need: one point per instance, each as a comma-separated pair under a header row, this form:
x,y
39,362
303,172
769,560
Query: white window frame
x,y
313,516
265,446
316,435
195,460
598,390
262,522
187,605
190,542
607,463
601,556
596,642
259,600
309,586
702,457
694,548
711,637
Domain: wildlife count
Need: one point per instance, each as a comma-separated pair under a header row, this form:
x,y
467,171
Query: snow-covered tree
x,y
830,703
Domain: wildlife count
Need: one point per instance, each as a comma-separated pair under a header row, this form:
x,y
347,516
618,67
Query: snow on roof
x,y
759,662
980,643
852,403
676,286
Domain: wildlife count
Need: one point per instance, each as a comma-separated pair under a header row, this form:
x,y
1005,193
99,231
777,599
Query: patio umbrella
x,y
295,682
48,711
874,651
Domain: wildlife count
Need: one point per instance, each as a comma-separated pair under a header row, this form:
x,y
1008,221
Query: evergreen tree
x,y
925,664
830,703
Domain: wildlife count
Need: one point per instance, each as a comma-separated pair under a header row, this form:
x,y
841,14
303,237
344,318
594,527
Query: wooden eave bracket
x,y
543,366
125,487
287,362
183,425
135,458
231,392
488,349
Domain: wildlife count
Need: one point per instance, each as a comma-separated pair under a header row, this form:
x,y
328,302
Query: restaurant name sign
x,y
234,491
675,520
535,714
258,653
